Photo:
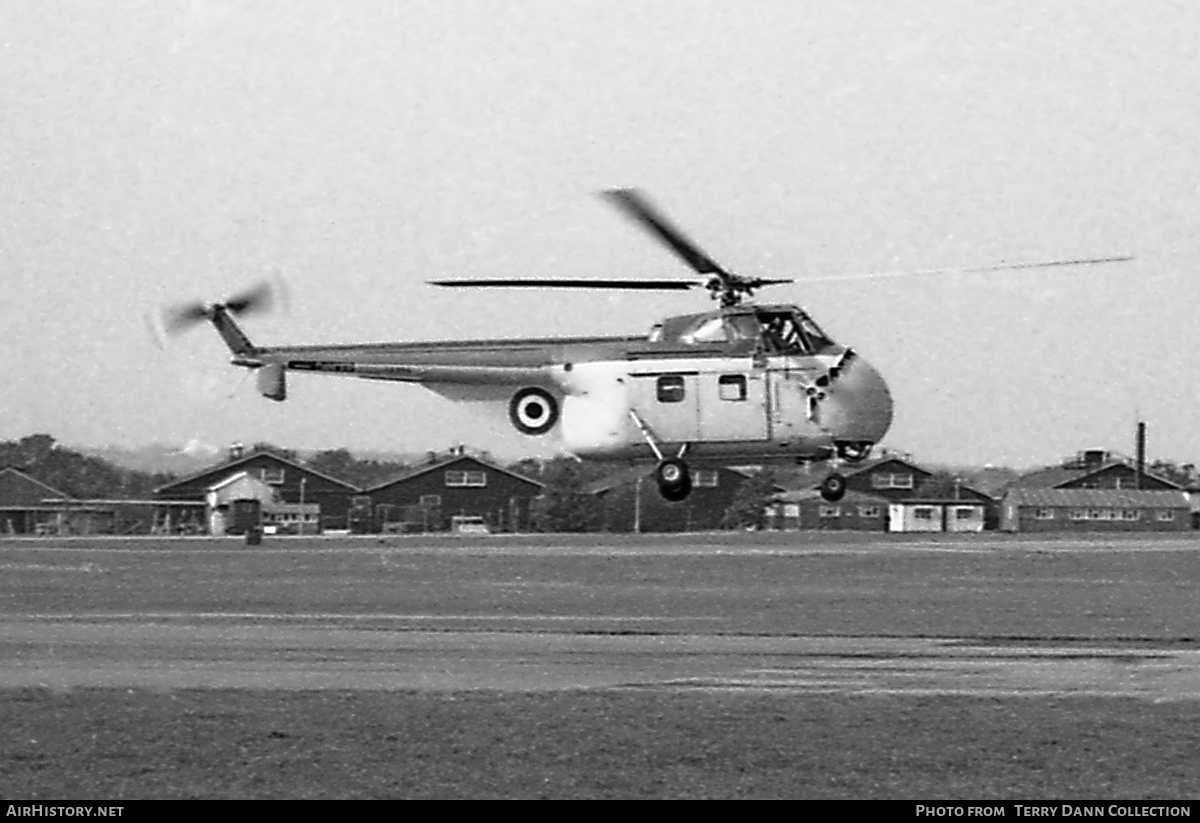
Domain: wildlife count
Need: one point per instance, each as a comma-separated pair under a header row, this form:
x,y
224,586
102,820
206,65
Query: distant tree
x,y
1180,474
337,463
746,510
529,467
27,452
564,505
76,474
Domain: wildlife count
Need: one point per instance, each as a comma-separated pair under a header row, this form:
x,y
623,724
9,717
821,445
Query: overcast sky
x,y
158,151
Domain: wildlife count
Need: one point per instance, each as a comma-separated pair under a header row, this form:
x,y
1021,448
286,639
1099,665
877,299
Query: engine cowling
x,y
272,382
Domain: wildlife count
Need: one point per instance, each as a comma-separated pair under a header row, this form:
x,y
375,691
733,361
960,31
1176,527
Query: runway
x,y
449,653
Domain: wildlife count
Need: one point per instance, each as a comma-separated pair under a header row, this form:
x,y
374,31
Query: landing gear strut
x,y
672,475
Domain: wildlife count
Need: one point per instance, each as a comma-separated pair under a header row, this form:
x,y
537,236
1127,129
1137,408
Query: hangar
x,y
426,498
292,483
1057,510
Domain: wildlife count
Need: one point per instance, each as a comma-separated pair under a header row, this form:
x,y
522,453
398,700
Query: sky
x,y
153,152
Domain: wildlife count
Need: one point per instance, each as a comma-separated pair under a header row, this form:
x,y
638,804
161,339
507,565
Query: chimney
x,y
1141,455
1094,459
236,451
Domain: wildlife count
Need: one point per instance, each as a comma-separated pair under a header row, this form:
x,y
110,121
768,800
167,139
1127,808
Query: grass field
x,y
119,743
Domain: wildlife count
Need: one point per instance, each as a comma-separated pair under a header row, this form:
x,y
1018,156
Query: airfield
x,y
713,665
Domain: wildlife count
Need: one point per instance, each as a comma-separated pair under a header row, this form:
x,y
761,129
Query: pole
x,y
637,505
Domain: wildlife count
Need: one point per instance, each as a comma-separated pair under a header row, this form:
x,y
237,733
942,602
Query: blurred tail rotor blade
x,y
180,318
259,298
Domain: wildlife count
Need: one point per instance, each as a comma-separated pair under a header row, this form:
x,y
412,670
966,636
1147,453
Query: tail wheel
x,y
533,411
673,478
833,487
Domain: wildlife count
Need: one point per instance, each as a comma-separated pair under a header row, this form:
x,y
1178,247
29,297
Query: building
x,y
1075,509
806,509
630,500
1094,469
291,482
937,515
425,498
911,498
21,506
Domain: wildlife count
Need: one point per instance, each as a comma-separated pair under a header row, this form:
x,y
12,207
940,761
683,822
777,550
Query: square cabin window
x,y
732,386
1045,514
923,513
1165,515
670,388
706,478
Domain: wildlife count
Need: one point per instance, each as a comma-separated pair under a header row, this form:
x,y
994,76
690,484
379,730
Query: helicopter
x,y
742,383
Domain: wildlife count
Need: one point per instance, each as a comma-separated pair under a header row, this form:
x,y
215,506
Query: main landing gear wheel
x,y
673,478
833,487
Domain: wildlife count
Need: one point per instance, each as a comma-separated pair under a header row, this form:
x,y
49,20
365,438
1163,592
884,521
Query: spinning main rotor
x,y
722,284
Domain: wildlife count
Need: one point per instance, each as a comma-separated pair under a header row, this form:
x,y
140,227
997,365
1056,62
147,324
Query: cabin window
x,y
706,478
273,476
923,513
1079,514
1045,514
466,479
1132,514
430,501
1165,515
831,511
868,511
732,386
964,514
670,388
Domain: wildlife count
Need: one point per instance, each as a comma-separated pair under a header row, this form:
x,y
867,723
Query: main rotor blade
x,y
1045,264
640,285
636,206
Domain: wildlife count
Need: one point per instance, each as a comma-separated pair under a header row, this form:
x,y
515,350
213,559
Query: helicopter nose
x,y
863,404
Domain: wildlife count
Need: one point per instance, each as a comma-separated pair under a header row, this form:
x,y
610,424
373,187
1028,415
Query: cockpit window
x,y
786,332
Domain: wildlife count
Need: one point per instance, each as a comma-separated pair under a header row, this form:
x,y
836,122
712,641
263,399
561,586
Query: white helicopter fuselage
x,y
712,385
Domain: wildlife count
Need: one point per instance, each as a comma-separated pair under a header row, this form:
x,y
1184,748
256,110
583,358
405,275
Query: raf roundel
x,y
533,411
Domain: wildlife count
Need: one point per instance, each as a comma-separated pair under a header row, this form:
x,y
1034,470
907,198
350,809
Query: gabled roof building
x,y
293,483
1060,509
427,497
21,501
